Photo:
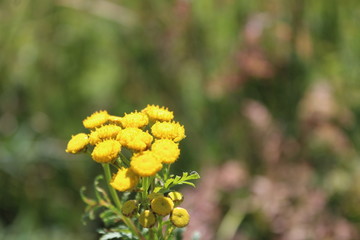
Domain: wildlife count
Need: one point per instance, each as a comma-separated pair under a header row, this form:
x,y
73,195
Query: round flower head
x,y
167,150
177,197
129,208
96,119
108,131
135,119
104,132
147,219
153,195
94,138
124,180
106,151
162,205
77,143
134,138
157,113
168,130
180,217
145,164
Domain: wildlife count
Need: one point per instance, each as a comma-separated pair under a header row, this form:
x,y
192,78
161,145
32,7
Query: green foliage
x,y
184,179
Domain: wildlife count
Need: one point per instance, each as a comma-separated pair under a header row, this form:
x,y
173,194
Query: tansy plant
x,y
136,152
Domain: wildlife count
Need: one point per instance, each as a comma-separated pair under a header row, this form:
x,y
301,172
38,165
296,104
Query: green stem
x,y
160,226
125,159
166,172
145,187
112,191
117,202
169,232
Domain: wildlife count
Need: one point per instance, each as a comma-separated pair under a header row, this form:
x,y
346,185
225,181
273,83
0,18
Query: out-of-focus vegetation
x,y
268,92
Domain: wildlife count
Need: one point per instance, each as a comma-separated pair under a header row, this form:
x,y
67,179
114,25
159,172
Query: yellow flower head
x,y
167,150
134,138
153,195
177,197
168,130
180,217
157,113
106,151
145,164
94,138
147,219
104,132
134,119
96,119
162,205
129,208
77,143
124,180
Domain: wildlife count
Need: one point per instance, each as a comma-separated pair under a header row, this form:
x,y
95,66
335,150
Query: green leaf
x,y
88,201
110,217
177,180
120,232
194,175
168,182
111,235
157,189
100,193
189,183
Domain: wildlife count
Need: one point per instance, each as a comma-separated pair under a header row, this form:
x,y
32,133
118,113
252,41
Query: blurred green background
x,y
268,92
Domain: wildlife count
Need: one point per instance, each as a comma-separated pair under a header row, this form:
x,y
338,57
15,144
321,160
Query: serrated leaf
x,y
177,180
110,235
168,182
189,183
118,233
193,175
157,189
109,217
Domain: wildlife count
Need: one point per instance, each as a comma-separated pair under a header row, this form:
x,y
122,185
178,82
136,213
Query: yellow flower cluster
x,y
109,135
138,144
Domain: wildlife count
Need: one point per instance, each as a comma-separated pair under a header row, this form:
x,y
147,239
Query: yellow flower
x,y
124,180
134,138
168,130
145,164
180,217
94,138
96,119
153,195
162,205
109,131
129,208
157,113
134,119
106,151
147,219
77,143
166,150
177,197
